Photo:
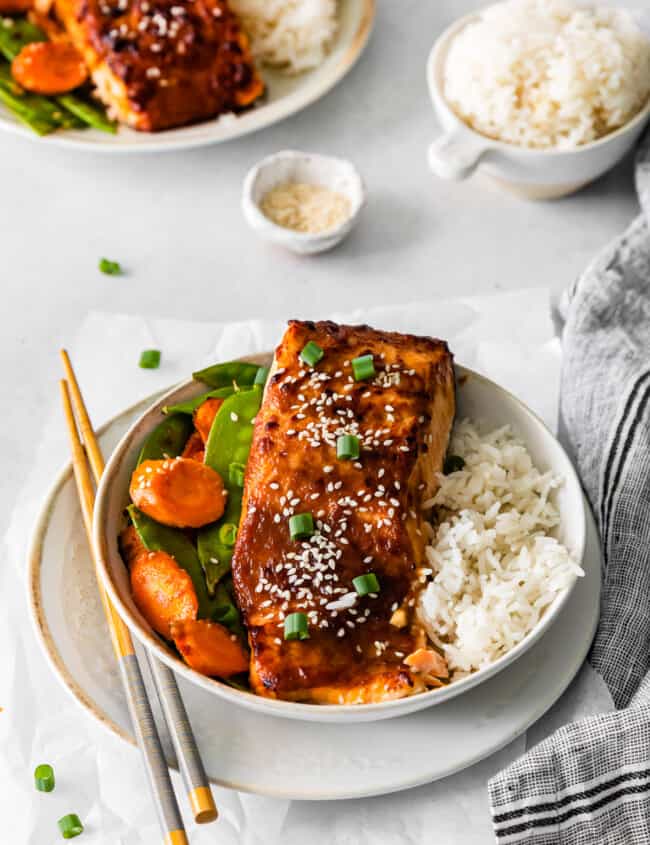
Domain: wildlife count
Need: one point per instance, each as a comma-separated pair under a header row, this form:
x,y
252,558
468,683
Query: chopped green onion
x,y
347,447
301,526
228,534
365,584
44,777
111,268
453,463
311,353
70,826
296,627
150,359
261,376
363,367
236,473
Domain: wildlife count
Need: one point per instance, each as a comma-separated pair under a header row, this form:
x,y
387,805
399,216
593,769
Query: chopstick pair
x,y
84,444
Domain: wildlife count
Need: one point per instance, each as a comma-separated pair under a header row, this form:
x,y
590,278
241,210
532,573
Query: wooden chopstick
x,y
172,705
144,725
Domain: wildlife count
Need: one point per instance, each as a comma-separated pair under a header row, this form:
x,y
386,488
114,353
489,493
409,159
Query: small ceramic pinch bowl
x,y
523,171
287,166
477,398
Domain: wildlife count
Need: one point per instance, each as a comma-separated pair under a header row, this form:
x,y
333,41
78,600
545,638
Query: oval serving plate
x,y
286,96
248,751
477,398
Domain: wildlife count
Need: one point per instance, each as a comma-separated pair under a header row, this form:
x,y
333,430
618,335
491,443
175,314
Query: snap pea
x,y
168,439
161,538
216,559
87,114
43,108
192,404
224,375
232,431
226,611
229,442
27,114
235,684
72,110
16,33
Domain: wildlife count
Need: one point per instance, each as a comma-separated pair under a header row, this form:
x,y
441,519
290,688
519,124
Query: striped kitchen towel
x,y
589,783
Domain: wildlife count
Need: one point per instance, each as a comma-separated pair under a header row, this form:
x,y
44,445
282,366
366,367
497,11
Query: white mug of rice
x,y
543,94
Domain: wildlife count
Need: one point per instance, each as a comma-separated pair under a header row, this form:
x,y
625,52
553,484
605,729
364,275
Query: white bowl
x,y
477,398
337,174
529,173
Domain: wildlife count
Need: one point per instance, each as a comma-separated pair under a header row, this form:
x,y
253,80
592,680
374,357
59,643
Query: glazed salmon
x,y
159,64
365,513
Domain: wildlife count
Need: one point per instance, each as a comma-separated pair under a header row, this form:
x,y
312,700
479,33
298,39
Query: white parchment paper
x,y
507,337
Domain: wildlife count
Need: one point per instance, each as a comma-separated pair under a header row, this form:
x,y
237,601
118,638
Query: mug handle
x,y
453,157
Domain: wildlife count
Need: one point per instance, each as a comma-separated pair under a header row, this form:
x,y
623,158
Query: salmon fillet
x,y
366,513
158,64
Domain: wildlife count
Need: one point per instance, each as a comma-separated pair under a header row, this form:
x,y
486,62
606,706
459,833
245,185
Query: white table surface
x,y
175,224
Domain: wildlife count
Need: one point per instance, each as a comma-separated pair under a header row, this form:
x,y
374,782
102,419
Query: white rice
x,y
496,567
293,35
547,73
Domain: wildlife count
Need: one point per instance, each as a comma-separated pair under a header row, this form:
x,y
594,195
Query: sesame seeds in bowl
x,y
304,202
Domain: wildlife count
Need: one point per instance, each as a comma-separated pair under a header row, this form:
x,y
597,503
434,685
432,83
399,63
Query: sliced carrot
x,y
194,448
162,591
209,648
49,67
178,492
12,7
131,546
204,417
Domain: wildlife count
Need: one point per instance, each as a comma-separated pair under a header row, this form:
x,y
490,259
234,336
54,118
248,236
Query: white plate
x,y
257,753
285,96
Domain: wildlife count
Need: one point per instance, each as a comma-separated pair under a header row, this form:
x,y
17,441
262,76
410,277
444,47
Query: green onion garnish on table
x,y
70,826
150,359
365,584
363,367
347,447
311,353
110,268
296,627
301,526
44,777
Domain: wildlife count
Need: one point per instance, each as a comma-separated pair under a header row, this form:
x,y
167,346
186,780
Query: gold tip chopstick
x,y
143,722
189,759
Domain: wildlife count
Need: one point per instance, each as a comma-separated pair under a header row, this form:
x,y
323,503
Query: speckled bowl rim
x,y
37,614
292,710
